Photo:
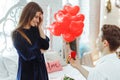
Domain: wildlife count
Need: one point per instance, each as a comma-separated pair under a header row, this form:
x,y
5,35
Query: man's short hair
x,y
111,33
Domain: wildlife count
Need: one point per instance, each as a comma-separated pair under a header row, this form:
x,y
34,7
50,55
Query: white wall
x,y
110,18
94,20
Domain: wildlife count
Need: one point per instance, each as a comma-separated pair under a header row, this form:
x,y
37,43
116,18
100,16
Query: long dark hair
x,y
27,15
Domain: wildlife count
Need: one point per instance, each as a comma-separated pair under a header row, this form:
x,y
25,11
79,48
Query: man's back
x,y
107,68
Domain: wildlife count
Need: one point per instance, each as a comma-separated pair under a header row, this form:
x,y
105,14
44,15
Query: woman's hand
x,y
40,21
40,27
42,51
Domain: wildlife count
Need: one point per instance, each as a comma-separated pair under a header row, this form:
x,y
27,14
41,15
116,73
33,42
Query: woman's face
x,y
36,19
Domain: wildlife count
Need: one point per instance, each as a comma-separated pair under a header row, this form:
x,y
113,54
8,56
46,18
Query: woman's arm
x,y
44,40
42,35
21,45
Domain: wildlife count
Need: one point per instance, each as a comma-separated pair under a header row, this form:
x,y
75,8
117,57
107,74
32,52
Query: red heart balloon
x,y
63,11
76,26
73,10
78,33
79,17
68,37
65,23
55,28
67,8
59,16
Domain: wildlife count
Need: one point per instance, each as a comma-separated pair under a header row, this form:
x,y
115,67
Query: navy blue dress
x,y
31,64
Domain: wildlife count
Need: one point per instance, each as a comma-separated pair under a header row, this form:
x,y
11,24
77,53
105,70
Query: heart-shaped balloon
x,y
79,17
76,26
55,28
59,16
73,10
68,37
78,33
65,23
63,11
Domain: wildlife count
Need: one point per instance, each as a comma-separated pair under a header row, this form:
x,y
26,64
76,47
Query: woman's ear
x,y
105,43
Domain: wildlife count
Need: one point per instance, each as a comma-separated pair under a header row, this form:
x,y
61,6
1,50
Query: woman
x,y
29,41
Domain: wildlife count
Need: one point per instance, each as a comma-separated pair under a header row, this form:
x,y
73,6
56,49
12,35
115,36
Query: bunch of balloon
x,y
69,23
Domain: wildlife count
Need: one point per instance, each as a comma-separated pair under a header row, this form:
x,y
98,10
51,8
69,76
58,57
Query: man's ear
x,y
105,42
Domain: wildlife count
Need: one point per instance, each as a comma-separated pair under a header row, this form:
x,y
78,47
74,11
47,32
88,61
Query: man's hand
x,y
75,63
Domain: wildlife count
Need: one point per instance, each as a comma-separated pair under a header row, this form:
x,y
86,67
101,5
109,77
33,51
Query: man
x,y
108,66
118,52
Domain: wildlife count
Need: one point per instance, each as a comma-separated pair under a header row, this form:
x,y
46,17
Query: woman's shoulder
x,y
15,33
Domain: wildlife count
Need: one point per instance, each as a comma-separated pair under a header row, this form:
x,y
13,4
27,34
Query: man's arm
x,y
76,64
